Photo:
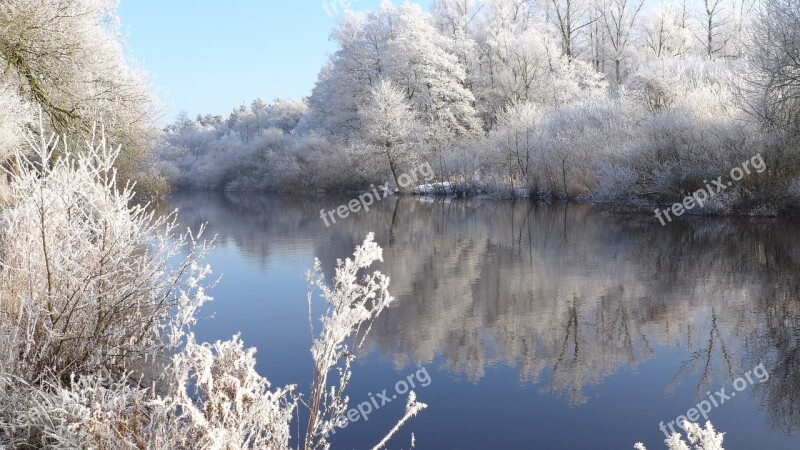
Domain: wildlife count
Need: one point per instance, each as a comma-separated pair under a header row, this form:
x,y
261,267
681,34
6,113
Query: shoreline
x,y
622,208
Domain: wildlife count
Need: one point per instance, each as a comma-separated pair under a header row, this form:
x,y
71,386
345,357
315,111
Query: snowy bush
x,y
13,115
615,183
98,295
85,279
220,401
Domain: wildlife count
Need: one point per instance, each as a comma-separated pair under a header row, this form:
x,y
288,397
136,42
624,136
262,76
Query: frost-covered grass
x,y
700,438
95,315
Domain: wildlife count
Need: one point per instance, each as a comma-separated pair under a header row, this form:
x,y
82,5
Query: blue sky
x,y
210,56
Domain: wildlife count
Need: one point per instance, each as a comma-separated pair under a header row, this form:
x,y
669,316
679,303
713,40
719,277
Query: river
x,y
525,325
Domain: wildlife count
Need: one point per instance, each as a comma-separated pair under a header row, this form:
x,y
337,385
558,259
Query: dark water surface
x,y
539,326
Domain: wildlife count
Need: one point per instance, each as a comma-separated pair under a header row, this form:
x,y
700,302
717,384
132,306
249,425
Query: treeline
x,y
612,100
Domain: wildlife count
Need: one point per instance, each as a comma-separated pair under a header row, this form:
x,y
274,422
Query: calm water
x,y
540,326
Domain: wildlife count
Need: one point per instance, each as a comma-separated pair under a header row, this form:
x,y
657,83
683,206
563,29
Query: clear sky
x,y
209,56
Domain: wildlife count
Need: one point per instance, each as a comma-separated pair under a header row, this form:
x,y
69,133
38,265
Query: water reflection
x,y
567,295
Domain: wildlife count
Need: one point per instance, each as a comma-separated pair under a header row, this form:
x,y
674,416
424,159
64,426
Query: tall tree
x,y
619,19
66,58
664,33
430,75
388,124
571,19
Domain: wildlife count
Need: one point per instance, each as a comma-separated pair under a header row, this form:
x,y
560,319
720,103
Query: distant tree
x,y
571,19
259,109
285,114
430,76
356,66
516,139
663,33
619,19
456,20
722,26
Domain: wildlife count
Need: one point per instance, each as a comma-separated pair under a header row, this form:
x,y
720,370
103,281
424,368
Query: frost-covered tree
x,y
66,58
514,52
721,26
399,43
456,20
620,19
285,114
775,64
388,125
357,65
515,139
663,33
572,19
14,114
422,65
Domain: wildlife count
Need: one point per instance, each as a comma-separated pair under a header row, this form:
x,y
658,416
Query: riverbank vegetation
x,y
97,298
614,101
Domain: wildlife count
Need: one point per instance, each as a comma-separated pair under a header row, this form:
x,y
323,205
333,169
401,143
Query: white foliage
x,y
85,279
701,438
95,289
14,113
388,124
353,304
221,402
67,59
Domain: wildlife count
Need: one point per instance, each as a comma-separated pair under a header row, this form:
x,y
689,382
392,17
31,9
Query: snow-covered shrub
x,y
353,305
615,183
705,87
86,279
87,412
221,402
97,297
211,398
702,438
515,145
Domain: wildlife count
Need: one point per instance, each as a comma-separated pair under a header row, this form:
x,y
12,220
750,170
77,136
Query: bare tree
x,y
775,64
570,17
619,20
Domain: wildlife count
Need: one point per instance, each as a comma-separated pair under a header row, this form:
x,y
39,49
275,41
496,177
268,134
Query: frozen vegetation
x,y
701,438
66,58
98,295
609,101
612,101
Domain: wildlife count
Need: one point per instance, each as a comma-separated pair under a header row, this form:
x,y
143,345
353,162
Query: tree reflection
x,y
565,291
